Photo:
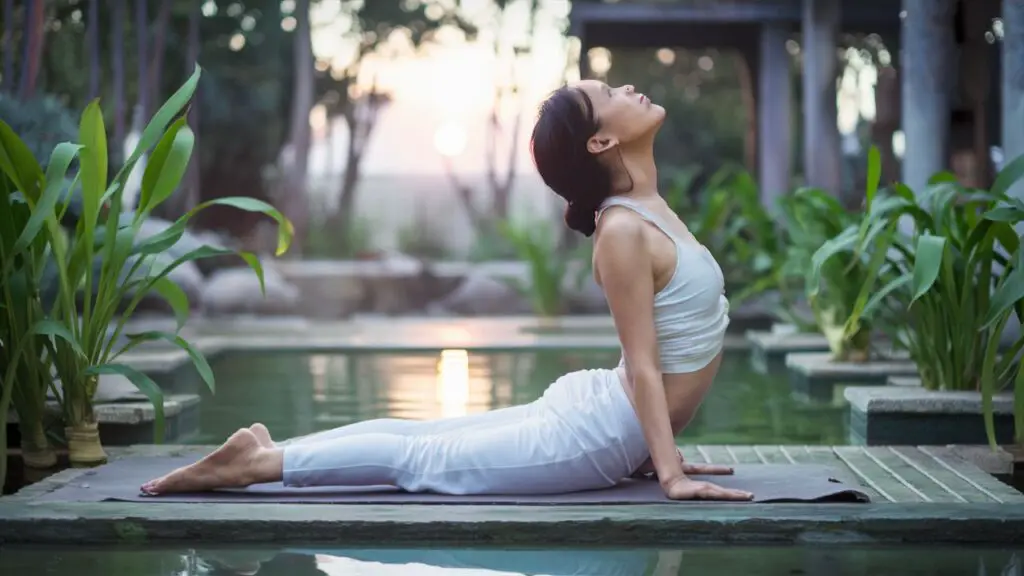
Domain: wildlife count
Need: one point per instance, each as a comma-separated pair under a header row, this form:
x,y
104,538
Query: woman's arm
x,y
625,269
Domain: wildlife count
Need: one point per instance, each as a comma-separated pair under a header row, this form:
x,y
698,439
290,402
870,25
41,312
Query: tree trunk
x,y
156,67
141,39
192,176
295,202
8,47
92,35
117,57
35,11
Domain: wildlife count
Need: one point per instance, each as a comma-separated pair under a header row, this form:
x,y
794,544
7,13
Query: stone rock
x,y
191,240
482,295
237,291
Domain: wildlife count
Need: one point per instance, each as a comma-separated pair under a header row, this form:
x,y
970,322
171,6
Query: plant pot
x,y
36,451
84,447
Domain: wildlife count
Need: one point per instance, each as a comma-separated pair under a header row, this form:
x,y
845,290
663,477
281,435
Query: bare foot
x,y
262,435
239,462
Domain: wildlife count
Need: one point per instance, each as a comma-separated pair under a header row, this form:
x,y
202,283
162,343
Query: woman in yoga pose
x,y
593,145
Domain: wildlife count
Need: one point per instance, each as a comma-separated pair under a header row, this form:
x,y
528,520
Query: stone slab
x,y
815,375
909,414
906,396
131,422
921,498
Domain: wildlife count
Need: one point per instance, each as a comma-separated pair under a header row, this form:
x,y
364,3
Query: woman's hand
x,y
688,489
647,468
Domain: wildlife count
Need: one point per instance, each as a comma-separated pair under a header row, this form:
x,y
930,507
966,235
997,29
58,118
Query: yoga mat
x,y
120,481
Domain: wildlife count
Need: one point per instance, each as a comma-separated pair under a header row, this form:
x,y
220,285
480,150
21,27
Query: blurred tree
x,y
339,89
501,139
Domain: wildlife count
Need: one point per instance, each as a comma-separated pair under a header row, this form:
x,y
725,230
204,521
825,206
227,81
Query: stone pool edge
x,y
633,525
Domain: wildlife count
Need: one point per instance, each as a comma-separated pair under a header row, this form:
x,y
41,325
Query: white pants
x,y
582,434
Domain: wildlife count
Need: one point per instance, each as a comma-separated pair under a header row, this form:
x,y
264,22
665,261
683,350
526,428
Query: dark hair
x,y
559,145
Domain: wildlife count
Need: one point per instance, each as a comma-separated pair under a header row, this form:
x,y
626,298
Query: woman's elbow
x,y
646,377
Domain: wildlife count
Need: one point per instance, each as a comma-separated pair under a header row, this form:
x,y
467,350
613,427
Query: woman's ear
x,y
598,144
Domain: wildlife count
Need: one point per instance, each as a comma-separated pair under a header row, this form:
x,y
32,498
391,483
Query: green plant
x,y
549,266
81,344
728,218
812,219
422,238
24,367
946,290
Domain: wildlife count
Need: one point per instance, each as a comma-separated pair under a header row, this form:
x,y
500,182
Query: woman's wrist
x,y
669,481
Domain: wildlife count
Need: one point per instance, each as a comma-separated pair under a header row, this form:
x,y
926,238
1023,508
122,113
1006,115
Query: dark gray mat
x,y
120,481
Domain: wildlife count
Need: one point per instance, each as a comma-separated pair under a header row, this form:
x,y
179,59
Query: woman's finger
x,y
715,492
709,469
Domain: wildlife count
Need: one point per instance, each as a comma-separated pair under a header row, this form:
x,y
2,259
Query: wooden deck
x,y
920,496
888,474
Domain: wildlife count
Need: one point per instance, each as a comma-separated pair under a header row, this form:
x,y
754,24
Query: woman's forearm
x,y
657,426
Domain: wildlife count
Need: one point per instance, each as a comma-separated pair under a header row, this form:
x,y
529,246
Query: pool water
x,y
327,561
300,393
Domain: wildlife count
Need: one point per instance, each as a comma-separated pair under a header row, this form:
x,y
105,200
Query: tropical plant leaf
x,y
60,160
927,264
166,166
198,360
146,385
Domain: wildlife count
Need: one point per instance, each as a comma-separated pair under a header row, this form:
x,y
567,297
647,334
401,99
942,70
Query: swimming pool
x,y
300,393
273,561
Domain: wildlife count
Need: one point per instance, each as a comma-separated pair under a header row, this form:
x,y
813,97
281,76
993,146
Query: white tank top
x,y
691,313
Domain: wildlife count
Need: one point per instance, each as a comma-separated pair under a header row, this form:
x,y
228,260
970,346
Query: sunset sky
x,y
443,93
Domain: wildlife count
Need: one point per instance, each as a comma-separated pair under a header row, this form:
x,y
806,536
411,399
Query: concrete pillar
x,y
1013,84
774,114
926,72
821,130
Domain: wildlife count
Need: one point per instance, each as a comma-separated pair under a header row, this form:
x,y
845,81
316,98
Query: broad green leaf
x,y
93,155
18,163
166,166
175,297
1018,406
198,360
146,385
285,230
56,329
874,173
1008,176
1005,214
155,129
927,263
1009,292
60,160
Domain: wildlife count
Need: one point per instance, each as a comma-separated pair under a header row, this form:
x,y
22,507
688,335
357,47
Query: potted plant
x,y
105,264
816,221
945,290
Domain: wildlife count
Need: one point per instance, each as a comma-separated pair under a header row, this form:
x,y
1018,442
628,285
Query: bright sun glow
x,y
453,383
450,139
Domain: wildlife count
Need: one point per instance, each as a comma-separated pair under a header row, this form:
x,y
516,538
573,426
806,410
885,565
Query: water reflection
x,y
295,393
271,561
453,383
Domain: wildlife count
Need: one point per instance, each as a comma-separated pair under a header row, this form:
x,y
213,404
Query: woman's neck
x,y
638,175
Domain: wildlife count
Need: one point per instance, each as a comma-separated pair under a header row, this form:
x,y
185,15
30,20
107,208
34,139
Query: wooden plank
x,y
878,475
773,455
922,482
692,454
824,456
943,476
744,454
717,454
973,475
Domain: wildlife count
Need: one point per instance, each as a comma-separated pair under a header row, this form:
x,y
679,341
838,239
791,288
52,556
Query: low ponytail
x,y
559,145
